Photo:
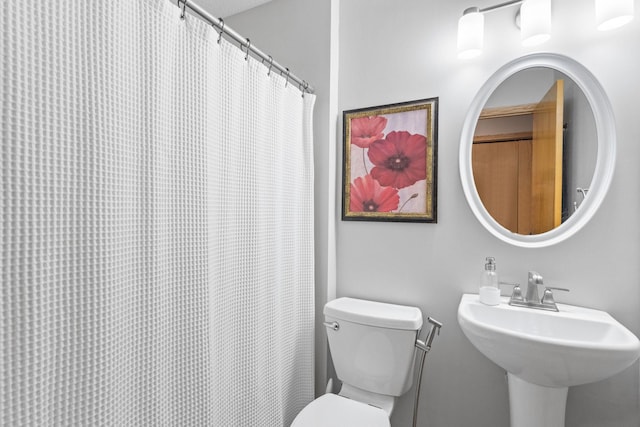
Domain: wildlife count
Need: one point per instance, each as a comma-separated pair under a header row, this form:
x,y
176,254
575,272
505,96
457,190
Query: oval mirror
x,y
537,150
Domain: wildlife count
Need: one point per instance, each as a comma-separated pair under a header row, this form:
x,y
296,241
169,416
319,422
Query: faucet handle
x,y
547,296
516,294
556,288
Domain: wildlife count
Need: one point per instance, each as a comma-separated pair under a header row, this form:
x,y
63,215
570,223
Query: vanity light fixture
x,y
534,20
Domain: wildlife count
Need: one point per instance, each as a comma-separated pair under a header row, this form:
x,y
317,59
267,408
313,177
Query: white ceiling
x,y
224,8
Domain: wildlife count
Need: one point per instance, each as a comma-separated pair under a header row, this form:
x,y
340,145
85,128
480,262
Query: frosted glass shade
x,y
535,22
470,33
612,14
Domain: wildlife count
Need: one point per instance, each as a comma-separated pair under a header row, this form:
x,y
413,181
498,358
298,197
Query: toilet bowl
x,y
337,411
372,346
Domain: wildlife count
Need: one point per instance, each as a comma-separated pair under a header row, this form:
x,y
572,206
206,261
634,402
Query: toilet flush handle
x,y
332,325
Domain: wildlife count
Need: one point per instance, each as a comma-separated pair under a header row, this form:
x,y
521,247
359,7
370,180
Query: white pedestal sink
x,y
544,353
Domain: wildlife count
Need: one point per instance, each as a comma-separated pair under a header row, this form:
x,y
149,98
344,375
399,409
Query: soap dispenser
x,y
489,287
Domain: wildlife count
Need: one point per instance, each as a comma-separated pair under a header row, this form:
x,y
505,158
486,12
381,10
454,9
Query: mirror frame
x,y
605,162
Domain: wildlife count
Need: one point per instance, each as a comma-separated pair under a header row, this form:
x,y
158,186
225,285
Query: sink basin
x,y
573,346
545,352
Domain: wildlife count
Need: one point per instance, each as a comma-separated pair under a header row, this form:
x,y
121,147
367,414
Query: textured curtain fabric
x,y
157,223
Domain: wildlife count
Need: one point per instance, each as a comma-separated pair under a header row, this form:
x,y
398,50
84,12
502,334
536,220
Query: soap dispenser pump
x,y
489,287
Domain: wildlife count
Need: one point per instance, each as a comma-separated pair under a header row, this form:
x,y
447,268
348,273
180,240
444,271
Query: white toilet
x,y
373,350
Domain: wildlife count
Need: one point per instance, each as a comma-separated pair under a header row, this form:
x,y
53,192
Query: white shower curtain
x,y
157,223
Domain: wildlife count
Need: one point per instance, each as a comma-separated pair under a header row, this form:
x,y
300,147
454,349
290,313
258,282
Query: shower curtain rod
x,y
245,43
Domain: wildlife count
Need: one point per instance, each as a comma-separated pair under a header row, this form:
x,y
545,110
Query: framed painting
x,y
390,162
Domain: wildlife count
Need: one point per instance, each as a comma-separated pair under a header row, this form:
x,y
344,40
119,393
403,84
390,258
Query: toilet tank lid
x,y
374,313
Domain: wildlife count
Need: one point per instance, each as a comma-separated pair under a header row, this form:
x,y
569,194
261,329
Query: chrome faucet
x,y
532,287
532,298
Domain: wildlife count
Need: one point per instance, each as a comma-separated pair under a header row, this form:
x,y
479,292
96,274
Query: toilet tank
x,y
373,348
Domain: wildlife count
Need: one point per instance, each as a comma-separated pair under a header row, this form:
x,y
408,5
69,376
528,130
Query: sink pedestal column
x,y
532,405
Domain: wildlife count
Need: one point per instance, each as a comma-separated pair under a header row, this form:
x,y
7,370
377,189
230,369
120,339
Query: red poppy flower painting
x,y
390,164
366,130
400,159
369,196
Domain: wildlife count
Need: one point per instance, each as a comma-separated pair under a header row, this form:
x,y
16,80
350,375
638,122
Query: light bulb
x,y
612,14
470,33
535,21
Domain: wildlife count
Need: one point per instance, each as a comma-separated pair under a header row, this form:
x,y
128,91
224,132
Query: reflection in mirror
x,y
534,150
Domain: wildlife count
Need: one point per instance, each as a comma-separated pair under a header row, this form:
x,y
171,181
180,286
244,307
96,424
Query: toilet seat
x,y
332,410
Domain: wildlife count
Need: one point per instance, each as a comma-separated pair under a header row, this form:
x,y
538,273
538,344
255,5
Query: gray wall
x,y
392,51
581,144
524,87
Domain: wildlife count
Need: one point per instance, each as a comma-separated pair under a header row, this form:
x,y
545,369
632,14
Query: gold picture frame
x,y
390,162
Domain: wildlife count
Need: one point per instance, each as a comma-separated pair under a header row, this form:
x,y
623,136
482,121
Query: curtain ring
x,y
221,30
304,86
270,65
248,49
287,81
184,6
